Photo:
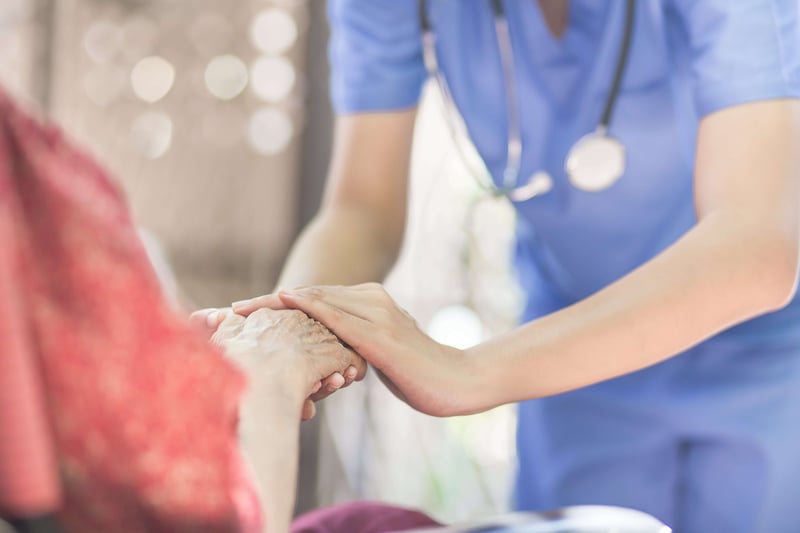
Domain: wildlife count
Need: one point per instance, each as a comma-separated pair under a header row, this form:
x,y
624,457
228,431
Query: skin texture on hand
x,y
284,354
285,345
432,378
209,320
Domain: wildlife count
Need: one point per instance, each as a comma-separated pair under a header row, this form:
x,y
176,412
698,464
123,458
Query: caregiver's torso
x,y
573,243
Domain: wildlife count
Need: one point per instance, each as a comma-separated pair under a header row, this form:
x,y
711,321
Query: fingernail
x,y
240,303
351,373
335,382
212,319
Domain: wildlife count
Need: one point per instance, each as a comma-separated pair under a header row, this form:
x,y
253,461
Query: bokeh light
x,y
457,326
152,78
272,78
269,131
151,134
226,77
273,31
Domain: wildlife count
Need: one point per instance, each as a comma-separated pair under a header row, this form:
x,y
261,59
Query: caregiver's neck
x,y
556,15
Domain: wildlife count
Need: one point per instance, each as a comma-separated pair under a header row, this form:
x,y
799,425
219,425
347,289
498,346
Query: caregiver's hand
x,y
432,378
286,348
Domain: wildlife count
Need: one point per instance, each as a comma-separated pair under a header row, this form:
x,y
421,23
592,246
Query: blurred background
x,y
214,116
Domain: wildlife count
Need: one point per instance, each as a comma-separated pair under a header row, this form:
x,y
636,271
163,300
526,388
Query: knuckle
x,y
260,314
314,292
231,320
296,315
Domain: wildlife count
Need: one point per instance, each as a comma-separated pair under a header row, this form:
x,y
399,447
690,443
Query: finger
x,y
359,303
198,318
208,320
229,319
330,385
319,396
309,410
357,369
350,329
333,382
350,375
370,286
230,326
245,307
220,317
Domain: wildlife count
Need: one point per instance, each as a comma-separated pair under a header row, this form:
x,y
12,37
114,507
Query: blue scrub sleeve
x,y
742,50
375,54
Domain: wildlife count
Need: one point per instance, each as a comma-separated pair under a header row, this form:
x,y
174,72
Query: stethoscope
x,y
594,163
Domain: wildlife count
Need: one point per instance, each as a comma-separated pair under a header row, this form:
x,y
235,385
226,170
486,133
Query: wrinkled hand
x,y
290,346
208,320
432,378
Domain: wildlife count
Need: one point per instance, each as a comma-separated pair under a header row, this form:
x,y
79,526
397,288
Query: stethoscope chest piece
x,y
595,162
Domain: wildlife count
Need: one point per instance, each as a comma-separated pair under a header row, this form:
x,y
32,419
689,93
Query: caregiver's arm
x,y
739,261
357,234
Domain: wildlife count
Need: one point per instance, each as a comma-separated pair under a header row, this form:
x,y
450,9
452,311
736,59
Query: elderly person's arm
x,y
284,354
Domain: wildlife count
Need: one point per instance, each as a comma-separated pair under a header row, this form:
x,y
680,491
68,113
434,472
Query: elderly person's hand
x,y
288,349
431,377
285,354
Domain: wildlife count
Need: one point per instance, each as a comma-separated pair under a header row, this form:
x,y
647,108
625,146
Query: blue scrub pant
x,y
708,441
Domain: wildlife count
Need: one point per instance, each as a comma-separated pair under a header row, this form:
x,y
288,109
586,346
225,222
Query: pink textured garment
x,y
112,411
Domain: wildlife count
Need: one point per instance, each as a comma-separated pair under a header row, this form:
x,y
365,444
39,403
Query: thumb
x,y
208,320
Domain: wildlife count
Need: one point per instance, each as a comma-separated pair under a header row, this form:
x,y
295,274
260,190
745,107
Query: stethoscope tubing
x,y
511,173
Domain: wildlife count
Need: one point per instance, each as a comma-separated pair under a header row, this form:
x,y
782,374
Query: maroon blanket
x,y
97,374
361,517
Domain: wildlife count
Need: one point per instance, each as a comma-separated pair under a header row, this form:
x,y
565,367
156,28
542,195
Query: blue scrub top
x,y
689,58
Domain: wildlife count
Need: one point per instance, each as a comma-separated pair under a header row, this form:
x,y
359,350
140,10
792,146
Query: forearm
x,y
340,246
722,272
269,431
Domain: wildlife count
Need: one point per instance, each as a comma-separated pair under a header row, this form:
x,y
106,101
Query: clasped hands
x,y
287,348
340,327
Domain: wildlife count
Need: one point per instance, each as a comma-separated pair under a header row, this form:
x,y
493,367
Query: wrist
x,y
462,382
282,377
482,378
